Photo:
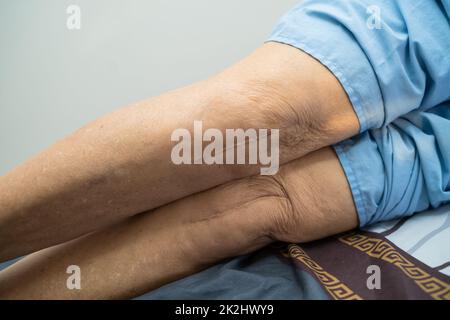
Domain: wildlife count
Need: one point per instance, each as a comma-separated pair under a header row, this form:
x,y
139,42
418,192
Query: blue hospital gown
x,y
393,60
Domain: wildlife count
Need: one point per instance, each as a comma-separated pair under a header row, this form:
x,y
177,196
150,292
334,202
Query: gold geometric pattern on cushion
x,y
334,287
380,249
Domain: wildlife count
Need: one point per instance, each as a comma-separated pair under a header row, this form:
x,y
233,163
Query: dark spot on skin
x,y
96,181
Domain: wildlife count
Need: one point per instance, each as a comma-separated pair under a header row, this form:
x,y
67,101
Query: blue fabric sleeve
x,y
391,57
402,168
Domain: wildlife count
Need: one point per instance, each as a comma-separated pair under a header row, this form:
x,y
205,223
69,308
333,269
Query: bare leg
x,y
308,199
120,165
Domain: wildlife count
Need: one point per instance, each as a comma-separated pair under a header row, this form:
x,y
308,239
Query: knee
x,y
319,199
270,203
283,209
251,102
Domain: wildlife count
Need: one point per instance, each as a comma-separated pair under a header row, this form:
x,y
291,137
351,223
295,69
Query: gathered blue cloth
x,y
393,60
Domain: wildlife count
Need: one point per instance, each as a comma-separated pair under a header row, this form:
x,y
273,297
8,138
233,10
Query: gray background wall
x,y
53,80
